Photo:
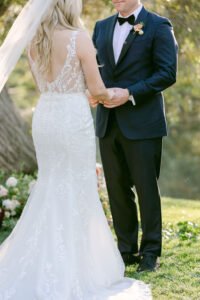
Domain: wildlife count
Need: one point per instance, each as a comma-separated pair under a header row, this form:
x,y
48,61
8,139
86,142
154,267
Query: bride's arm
x,y
87,55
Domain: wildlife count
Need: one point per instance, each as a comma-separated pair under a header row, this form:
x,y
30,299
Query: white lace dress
x,y
62,247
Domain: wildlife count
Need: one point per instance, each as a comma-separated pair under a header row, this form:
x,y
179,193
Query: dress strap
x,y
73,40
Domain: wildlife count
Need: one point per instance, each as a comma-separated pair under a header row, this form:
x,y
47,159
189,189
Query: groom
x,y
137,52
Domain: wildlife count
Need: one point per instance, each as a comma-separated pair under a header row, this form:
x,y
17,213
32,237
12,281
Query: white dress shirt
x,y
120,34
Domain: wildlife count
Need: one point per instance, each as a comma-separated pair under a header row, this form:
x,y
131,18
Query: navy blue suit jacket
x,y
147,65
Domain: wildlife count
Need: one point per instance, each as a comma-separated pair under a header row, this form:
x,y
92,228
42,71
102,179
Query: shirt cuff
x,y
131,98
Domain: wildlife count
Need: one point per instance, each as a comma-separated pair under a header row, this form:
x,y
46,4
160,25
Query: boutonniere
x,y
138,28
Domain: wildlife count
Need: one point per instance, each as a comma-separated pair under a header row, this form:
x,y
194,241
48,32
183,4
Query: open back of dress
x,y
69,78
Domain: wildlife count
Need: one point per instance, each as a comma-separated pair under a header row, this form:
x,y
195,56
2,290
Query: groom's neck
x,y
130,11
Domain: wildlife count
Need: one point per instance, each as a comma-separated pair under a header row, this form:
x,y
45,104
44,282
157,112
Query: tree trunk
x,y
16,146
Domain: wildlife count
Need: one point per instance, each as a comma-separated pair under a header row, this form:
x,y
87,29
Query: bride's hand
x,y
93,102
111,94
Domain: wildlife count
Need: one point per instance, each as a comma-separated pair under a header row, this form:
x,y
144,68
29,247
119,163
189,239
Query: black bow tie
x,y
130,20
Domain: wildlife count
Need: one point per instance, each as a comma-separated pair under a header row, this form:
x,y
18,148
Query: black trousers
x,y
129,163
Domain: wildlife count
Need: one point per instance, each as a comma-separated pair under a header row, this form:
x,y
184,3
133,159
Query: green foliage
x,y
188,231
4,5
185,230
9,10
24,94
13,195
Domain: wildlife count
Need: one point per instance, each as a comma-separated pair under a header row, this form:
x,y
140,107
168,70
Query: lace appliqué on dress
x,y
71,77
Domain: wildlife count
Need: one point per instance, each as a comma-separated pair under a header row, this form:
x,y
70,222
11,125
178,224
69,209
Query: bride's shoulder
x,y
84,44
83,35
61,34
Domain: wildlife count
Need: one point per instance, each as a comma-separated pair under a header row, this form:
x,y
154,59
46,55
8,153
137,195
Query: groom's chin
x,y
119,5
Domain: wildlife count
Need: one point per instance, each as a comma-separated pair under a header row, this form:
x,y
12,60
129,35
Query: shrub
x,y
14,192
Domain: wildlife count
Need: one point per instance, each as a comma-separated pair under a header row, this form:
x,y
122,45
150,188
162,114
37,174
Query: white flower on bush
x,y
31,186
3,191
16,203
7,203
7,214
11,204
11,181
13,213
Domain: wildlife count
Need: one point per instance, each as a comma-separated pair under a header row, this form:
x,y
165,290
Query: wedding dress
x,y
62,247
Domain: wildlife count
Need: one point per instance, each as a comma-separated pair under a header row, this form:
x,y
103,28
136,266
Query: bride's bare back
x,y
73,66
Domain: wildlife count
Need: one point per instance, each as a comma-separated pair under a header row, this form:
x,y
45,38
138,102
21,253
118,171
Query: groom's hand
x,y
121,97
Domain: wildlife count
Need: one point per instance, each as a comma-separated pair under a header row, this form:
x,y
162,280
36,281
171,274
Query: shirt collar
x,y
135,12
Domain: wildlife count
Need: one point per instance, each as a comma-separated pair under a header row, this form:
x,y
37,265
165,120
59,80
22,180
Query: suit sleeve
x,y
94,36
164,53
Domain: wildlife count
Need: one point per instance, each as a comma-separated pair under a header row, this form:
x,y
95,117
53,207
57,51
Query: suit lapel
x,y
126,45
130,38
109,38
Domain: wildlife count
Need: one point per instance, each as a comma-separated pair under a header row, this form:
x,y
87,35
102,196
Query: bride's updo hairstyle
x,y
64,14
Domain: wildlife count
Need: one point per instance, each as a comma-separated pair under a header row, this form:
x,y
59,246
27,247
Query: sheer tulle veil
x,y
20,34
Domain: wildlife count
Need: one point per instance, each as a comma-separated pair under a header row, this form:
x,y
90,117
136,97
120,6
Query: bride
x,y
62,247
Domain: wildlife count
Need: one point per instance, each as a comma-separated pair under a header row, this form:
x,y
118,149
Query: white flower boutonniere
x,y
138,28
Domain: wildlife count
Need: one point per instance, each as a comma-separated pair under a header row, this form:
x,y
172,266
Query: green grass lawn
x,y
179,274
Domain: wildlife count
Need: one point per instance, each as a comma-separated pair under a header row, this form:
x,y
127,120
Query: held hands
x,y
118,97
94,102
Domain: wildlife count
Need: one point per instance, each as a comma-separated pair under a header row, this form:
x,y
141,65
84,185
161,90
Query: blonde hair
x,y
64,14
